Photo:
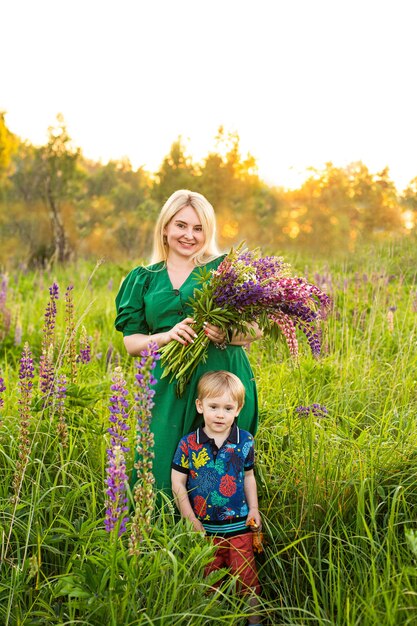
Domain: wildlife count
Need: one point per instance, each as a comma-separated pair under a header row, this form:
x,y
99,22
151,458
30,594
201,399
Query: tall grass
x,y
338,493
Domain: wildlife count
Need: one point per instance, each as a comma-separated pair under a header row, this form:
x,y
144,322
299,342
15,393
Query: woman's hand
x,y
214,333
182,332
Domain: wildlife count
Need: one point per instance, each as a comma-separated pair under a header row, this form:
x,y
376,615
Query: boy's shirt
x,y
215,478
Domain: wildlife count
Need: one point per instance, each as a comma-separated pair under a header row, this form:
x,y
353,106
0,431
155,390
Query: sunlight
x,y
408,219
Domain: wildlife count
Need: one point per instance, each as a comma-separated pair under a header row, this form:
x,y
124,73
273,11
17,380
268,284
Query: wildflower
x,y
50,318
60,395
143,491
109,355
46,362
85,348
26,375
316,410
71,351
2,389
18,331
390,318
3,291
5,315
116,503
46,376
246,288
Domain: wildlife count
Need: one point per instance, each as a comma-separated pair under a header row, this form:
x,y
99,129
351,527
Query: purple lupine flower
x,y
143,491
2,390
46,376
246,288
50,318
109,355
116,503
390,318
60,395
18,332
85,347
46,361
70,350
26,375
5,315
287,327
316,410
3,291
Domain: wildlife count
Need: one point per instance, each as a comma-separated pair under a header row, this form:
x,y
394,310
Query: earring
x,y
165,240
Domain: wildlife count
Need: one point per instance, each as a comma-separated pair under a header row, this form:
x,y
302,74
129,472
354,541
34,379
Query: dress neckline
x,y
196,267
183,282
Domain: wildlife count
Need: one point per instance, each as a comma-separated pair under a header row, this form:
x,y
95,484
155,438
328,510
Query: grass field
x,y
338,489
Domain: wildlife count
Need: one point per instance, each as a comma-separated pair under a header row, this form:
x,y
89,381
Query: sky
x,y
302,82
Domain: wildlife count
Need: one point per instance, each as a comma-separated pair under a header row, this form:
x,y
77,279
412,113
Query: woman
x,y
152,305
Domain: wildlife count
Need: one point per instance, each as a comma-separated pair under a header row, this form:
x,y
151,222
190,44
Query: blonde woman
x,y
152,305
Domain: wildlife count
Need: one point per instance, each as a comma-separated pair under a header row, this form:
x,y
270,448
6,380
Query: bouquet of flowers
x,y
248,288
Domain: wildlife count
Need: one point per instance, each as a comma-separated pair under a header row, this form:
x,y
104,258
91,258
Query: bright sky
x,y
301,81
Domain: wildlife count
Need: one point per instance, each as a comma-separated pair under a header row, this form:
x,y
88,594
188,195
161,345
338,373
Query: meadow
x,y
336,461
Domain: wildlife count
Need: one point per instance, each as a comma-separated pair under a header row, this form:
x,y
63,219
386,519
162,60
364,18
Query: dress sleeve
x,y
130,303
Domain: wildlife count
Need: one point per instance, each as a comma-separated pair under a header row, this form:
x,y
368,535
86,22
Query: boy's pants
x,y
236,553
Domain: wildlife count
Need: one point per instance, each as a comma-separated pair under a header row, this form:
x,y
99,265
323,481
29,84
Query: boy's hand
x,y
254,520
198,526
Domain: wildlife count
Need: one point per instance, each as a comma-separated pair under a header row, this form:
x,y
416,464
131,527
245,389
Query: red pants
x,y
236,553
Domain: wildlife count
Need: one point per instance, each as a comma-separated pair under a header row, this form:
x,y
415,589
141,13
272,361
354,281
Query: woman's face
x,y
184,233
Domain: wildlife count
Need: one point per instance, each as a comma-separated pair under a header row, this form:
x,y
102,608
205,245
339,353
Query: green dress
x,y
148,304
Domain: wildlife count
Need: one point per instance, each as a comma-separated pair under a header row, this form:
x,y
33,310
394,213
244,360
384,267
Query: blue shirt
x,y
215,478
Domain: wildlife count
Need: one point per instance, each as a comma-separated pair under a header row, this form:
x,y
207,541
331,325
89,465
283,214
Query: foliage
x,y
337,485
55,203
8,145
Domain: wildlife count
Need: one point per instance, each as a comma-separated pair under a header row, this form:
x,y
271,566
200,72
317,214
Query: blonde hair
x,y
217,383
177,201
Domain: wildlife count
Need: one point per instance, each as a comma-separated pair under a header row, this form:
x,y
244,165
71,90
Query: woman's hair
x,y
214,384
177,201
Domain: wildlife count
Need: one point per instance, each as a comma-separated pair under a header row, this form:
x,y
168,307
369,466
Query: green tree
x,y
51,174
60,182
118,200
8,146
176,172
377,201
231,184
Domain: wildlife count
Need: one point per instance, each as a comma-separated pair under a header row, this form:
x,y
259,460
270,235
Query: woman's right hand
x,y
182,332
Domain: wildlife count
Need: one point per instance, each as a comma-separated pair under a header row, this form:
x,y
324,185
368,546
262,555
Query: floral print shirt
x,y
215,478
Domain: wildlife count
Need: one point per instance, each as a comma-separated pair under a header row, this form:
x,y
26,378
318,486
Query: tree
x,y
8,145
60,179
232,185
377,201
177,172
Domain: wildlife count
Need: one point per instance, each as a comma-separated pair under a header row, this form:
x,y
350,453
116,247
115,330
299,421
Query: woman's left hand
x,y
214,333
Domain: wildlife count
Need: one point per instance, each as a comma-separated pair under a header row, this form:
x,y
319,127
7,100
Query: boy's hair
x,y
217,383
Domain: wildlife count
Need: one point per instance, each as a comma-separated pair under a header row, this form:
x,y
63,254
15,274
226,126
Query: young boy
x,y
213,480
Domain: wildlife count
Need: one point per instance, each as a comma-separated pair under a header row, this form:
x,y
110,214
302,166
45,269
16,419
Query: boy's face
x,y
219,413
